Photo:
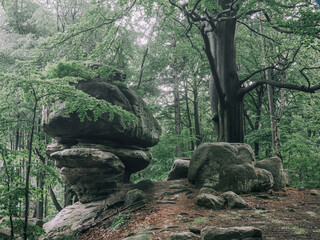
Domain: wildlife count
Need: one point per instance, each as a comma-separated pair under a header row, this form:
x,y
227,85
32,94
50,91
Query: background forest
x,y
159,47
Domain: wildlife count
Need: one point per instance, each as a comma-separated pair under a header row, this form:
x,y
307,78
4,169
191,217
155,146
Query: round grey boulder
x,y
183,236
233,200
234,233
179,170
209,201
226,167
274,165
208,191
135,197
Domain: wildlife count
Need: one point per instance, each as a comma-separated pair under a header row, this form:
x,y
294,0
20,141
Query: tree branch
x,y
272,67
256,32
305,76
301,88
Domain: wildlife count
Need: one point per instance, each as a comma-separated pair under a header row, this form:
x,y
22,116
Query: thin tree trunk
x,y
28,168
54,199
270,91
188,115
177,113
279,116
142,65
196,115
274,123
11,201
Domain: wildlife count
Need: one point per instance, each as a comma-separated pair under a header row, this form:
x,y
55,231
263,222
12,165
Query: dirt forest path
x,y
290,213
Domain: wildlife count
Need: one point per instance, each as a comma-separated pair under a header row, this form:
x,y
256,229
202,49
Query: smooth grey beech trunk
x,y
226,105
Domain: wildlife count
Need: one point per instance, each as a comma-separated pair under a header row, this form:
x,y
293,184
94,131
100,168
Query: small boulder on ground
x,y
183,236
314,192
209,201
135,196
144,185
139,237
208,191
179,170
233,200
274,165
234,233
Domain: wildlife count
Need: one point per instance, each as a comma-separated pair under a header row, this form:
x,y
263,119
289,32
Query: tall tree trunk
x,y
188,115
271,105
260,93
196,115
177,113
274,118
10,200
54,199
279,114
225,102
28,168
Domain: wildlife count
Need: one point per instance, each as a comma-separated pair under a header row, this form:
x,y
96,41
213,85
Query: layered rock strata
x,y
97,157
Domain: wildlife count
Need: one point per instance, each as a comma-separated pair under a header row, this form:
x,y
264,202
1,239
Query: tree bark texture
x,y
226,104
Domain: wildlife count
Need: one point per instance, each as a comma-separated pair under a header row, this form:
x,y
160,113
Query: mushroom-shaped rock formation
x,y
97,157
69,129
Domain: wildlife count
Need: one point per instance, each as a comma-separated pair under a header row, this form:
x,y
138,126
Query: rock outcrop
x,y
228,167
97,157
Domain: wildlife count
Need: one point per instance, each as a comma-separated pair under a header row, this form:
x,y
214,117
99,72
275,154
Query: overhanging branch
x,y
256,32
273,67
301,88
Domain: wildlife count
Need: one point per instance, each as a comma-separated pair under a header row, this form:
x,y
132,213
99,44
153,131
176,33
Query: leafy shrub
x,y
119,221
70,69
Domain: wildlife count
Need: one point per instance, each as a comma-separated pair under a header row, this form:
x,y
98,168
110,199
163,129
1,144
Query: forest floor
x,y
290,213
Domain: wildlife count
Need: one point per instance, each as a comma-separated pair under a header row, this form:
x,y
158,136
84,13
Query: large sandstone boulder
x,y
274,165
97,157
72,219
227,167
69,129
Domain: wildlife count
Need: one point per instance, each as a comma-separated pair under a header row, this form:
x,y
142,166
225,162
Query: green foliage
x,y
33,231
12,188
77,101
70,69
200,221
119,221
301,138
105,72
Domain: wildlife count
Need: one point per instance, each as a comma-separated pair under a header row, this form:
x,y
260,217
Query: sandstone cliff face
x,y
97,157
